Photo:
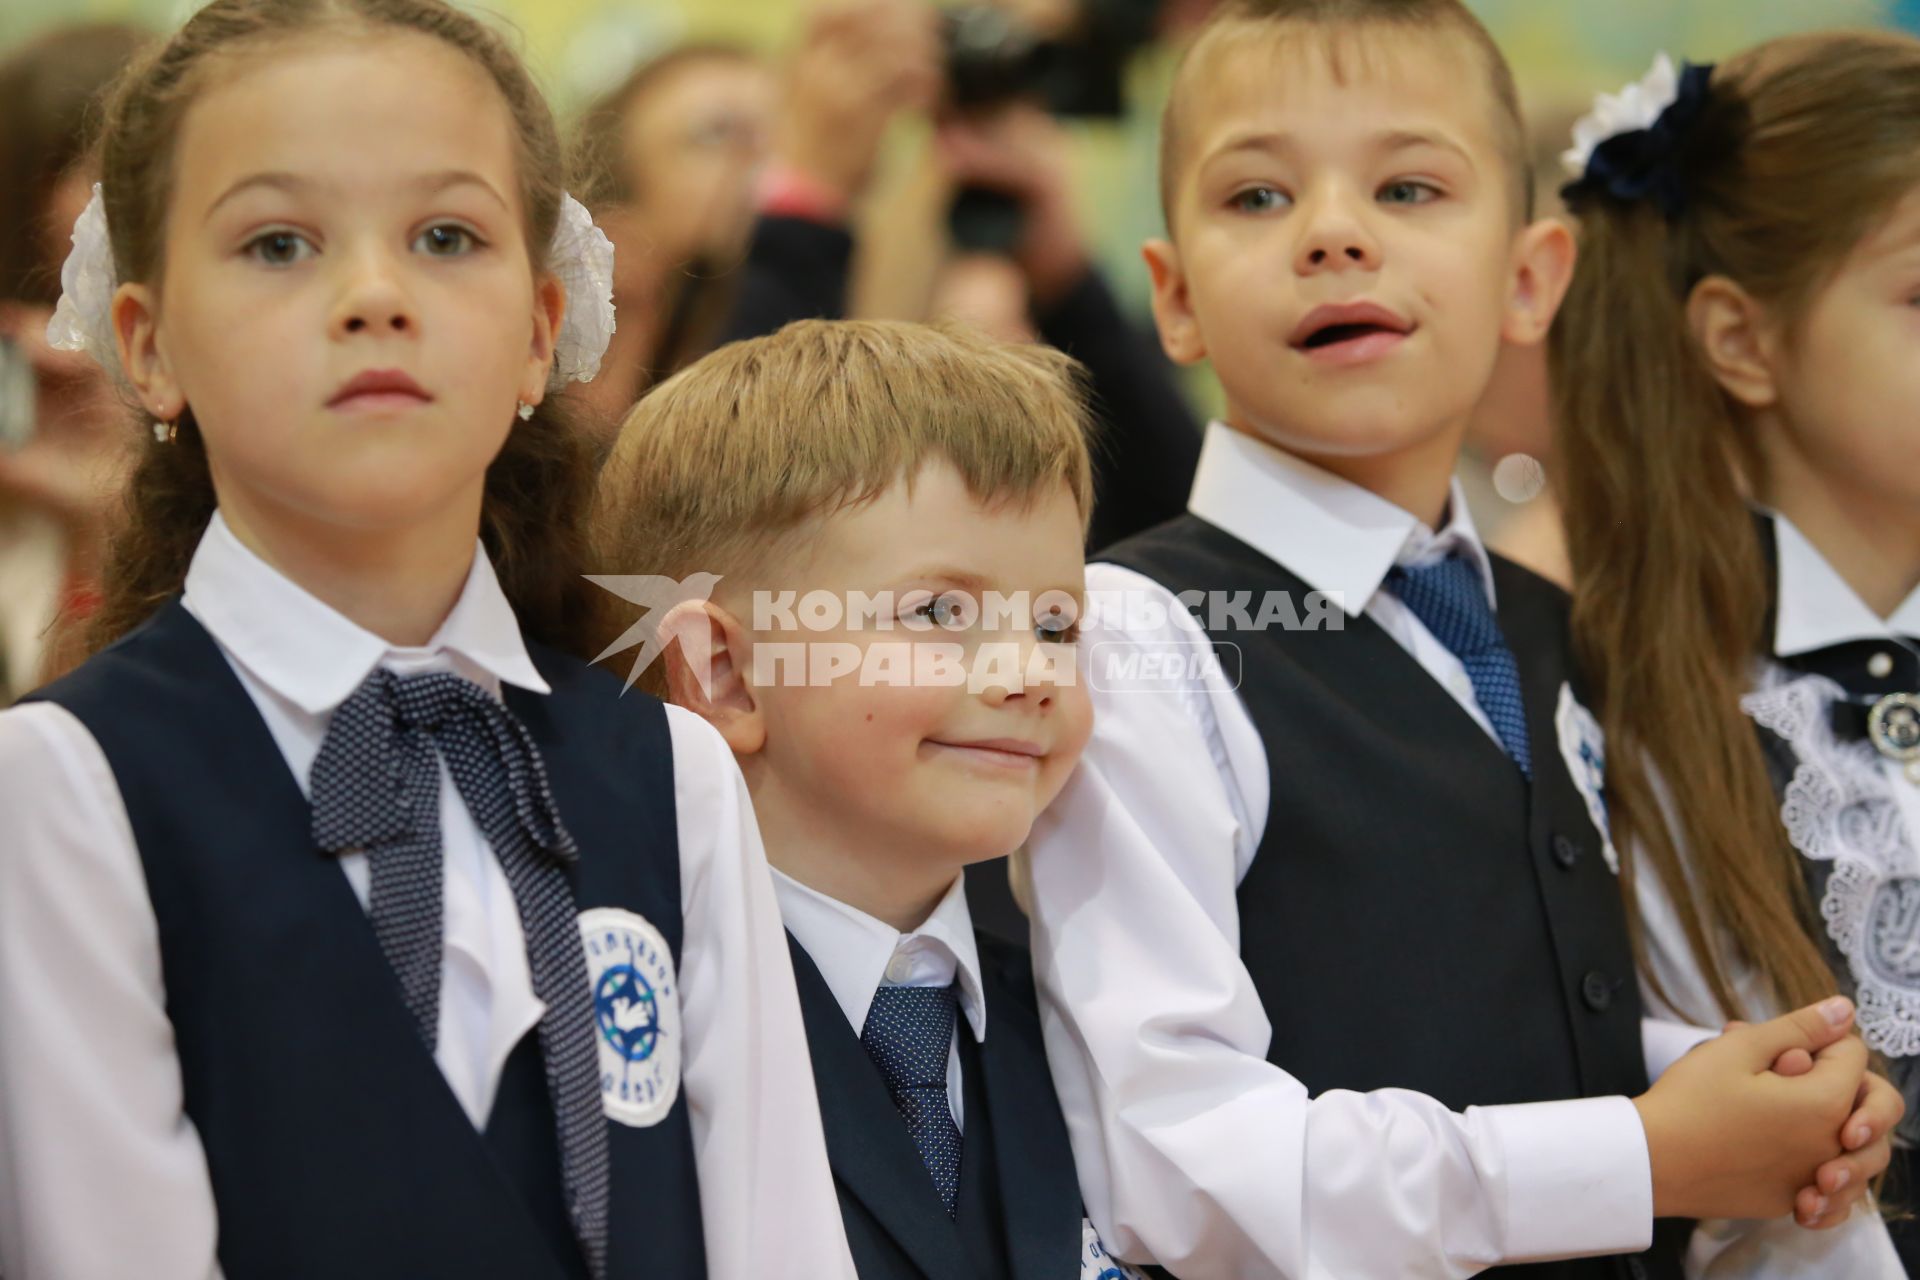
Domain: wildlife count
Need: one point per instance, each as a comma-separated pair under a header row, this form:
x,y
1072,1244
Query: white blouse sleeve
x,y
101,1172
766,1189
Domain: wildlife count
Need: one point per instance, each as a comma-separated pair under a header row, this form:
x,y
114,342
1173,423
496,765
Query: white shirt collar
x,y
311,655
857,953
1338,537
1814,607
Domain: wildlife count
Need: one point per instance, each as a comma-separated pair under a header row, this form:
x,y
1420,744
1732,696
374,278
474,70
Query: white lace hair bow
x,y
581,257
1637,106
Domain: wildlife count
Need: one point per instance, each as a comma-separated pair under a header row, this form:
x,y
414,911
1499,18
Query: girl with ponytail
x,y
1737,370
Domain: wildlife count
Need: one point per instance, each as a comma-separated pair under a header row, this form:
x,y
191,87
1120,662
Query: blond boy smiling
x,y
889,745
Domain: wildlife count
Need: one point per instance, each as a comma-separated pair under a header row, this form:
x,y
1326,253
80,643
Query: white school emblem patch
x,y
1096,1263
636,1011
1584,749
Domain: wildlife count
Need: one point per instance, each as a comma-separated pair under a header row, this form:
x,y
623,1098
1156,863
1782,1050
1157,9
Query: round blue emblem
x,y
636,1012
628,1015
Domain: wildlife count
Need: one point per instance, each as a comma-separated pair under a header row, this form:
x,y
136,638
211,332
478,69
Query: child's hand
x,y
1731,1138
1867,1135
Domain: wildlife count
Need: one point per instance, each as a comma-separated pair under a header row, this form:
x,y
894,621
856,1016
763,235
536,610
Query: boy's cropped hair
x,y
1237,22
722,468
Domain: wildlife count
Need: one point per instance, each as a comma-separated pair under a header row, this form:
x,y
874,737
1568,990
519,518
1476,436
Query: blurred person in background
x,y
1048,289
62,442
732,192
1508,470
670,158
857,68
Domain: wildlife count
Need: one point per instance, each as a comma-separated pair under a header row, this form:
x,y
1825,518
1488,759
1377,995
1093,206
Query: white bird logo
x,y
657,597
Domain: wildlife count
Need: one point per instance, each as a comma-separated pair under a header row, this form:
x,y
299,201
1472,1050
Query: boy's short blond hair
x,y
1236,22
724,467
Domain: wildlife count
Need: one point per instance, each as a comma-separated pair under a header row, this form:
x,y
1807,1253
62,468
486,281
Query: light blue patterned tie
x,y
909,1034
1450,598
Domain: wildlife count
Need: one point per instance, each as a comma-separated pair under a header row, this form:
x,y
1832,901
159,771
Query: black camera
x,y
992,58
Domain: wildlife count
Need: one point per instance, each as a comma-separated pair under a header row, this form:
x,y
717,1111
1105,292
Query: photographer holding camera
x,y
992,76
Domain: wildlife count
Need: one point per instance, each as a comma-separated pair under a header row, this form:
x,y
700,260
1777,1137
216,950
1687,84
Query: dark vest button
x,y
1566,851
1596,991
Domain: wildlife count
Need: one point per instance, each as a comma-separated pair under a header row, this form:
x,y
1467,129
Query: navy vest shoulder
x,y
1417,915
333,1143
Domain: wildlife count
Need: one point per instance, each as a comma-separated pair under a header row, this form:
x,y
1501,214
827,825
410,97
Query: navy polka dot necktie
x,y
1450,599
909,1036
376,788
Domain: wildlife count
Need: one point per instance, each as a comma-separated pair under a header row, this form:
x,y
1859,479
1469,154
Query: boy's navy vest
x,y
334,1146
1417,915
1018,1213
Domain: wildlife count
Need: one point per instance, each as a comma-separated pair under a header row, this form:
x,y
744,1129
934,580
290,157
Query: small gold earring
x,y
165,432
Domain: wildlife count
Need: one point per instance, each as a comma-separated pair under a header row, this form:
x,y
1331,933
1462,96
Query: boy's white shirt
x,y
1193,1150
857,954
90,1087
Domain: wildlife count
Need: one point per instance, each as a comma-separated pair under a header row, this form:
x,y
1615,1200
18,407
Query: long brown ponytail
x,y
1803,145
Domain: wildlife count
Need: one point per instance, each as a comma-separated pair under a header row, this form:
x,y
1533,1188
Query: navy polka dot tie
x,y
909,1036
1450,599
376,788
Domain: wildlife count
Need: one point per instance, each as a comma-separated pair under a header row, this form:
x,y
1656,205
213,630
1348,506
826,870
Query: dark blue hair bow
x,y
1647,164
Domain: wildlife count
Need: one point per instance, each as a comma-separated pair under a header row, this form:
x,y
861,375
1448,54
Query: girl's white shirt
x,y
90,1086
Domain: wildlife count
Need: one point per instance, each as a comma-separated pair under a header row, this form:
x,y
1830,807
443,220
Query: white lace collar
x,y
1843,808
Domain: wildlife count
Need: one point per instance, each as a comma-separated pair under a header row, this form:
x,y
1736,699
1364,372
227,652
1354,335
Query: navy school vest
x,y
1417,915
333,1143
